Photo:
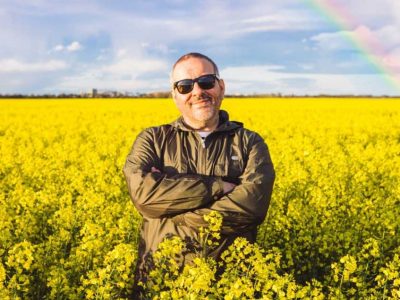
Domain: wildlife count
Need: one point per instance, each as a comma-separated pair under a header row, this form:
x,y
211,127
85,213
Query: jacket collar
x,y
224,123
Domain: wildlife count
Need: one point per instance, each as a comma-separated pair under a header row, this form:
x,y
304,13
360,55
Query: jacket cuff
x,y
217,189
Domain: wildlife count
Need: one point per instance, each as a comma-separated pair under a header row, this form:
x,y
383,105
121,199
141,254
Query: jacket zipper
x,y
202,156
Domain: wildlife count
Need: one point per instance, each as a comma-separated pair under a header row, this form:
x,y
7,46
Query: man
x,y
177,173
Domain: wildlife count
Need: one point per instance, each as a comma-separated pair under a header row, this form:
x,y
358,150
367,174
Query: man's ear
x,y
173,95
221,83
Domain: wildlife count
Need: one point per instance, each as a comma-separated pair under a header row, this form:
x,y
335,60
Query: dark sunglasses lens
x,y
184,86
206,82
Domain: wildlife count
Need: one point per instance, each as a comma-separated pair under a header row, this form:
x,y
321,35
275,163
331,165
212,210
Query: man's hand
x,y
228,187
155,170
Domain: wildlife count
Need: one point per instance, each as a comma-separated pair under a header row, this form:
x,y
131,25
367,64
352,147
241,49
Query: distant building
x,y
94,93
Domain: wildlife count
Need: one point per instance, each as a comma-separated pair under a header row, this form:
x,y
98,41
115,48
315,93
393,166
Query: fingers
x,y
228,187
155,170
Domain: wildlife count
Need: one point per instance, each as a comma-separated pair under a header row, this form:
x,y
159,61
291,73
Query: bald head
x,y
196,55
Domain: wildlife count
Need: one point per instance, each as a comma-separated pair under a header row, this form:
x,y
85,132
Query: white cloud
x,y
376,41
127,65
392,59
250,73
281,20
306,67
157,47
223,21
58,48
374,13
74,46
123,74
388,36
88,80
332,41
263,79
382,44
13,65
121,52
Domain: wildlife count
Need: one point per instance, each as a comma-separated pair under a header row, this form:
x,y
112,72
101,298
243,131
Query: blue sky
x,y
285,46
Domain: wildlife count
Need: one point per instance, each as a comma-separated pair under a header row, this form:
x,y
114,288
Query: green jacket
x,y
174,201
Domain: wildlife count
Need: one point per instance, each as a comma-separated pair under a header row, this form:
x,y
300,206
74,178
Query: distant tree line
x,y
168,95
88,95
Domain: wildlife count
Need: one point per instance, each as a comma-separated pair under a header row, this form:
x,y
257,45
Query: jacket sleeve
x,y
157,195
246,205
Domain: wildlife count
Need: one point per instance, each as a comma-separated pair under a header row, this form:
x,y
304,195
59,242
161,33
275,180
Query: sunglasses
x,y
205,82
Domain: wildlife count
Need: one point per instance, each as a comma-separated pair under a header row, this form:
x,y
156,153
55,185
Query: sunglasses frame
x,y
193,81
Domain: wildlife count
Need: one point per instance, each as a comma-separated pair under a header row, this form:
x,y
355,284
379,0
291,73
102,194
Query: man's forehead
x,y
193,66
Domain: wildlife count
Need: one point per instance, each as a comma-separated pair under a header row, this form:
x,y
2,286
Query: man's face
x,y
198,106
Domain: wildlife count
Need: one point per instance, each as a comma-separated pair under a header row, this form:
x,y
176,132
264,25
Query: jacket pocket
x,y
235,167
230,170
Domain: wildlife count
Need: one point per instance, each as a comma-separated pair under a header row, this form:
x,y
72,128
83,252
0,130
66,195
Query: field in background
x,y
68,228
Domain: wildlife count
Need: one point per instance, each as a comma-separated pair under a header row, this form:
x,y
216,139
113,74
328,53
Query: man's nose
x,y
197,90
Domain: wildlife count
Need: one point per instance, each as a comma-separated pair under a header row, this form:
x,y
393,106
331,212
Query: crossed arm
x,y
186,198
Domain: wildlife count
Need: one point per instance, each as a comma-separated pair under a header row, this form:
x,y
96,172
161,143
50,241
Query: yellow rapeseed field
x,y
69,230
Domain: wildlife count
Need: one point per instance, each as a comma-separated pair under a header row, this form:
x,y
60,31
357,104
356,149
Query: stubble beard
x,y
202,112
205,114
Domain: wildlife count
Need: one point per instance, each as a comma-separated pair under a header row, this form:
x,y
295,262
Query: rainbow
x,y
361,38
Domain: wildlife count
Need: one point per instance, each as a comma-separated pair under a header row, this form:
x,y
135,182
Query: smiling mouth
x,y
202,102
